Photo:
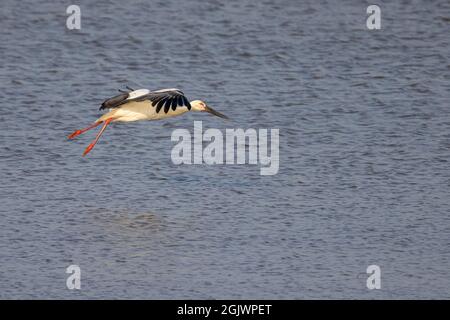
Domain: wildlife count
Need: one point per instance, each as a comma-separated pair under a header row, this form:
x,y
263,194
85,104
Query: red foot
x,y
74,134
88,149
78,132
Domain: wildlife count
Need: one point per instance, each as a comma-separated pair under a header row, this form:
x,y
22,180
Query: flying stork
x,y
143,104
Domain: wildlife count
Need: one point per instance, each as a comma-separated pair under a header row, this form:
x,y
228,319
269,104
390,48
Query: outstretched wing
x,y
165,99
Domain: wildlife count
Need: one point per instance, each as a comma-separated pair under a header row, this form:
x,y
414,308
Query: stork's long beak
x,y
214,112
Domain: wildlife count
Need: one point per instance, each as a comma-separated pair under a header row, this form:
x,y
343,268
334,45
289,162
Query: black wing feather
x,y
167,105
186,103
174,103
160,104
115,101
155,101
180,101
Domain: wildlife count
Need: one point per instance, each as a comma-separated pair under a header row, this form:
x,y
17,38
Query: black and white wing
x,y
164,99
167,99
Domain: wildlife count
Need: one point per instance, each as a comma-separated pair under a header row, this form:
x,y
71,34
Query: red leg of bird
x,y
89,147
78,132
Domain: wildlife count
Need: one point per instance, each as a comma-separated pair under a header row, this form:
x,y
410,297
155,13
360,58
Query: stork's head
x,y
199,105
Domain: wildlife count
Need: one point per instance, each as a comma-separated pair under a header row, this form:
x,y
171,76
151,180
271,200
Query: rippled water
x,y
364,151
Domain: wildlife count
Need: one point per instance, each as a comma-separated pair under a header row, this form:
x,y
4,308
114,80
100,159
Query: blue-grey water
x,y
364,175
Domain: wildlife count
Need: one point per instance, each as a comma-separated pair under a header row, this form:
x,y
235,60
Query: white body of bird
x,y
143,110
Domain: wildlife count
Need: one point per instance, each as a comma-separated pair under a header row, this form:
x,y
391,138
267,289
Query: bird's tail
x,y
108,115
